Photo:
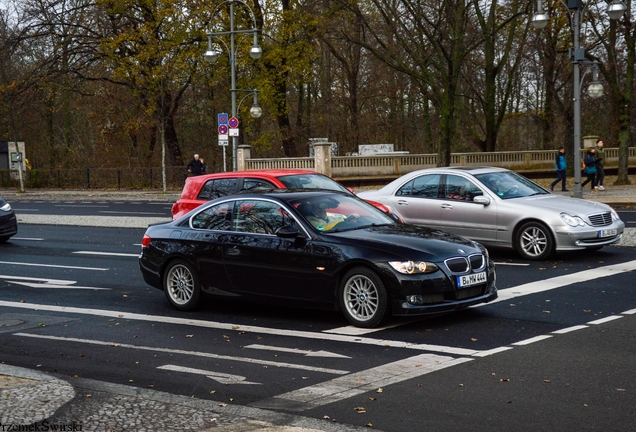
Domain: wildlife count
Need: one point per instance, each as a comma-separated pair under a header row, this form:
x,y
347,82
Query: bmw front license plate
x,y
471,279
607,233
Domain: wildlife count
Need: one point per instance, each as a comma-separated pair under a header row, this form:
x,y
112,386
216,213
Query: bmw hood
x,y
408,240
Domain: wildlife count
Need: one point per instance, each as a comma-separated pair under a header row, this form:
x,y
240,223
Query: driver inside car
x,y
321,220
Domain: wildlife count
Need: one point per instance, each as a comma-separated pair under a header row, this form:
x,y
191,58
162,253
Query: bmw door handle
x,y
403,202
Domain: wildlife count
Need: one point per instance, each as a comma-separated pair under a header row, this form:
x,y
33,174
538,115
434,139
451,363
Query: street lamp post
x,y
255,52
575,9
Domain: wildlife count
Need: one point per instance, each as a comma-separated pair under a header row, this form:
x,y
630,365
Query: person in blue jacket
x,y
560,165
590,162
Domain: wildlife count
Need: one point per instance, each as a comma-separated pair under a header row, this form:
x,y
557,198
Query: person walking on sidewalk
x,y
590,168
560,165
600,172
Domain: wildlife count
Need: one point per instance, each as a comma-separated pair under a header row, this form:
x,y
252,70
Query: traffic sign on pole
x,y
233,122
222,129
234,132
223,117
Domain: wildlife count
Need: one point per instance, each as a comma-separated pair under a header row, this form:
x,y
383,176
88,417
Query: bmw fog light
x,y
415,299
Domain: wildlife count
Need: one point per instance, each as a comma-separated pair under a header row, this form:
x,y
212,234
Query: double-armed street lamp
x,y
575,9
255,52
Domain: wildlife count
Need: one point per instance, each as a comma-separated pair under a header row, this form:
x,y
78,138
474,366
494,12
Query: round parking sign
x,y
222,129
233,122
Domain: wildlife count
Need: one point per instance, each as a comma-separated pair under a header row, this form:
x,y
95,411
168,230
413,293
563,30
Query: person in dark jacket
x,y
600,171
195,167
590,162
560,165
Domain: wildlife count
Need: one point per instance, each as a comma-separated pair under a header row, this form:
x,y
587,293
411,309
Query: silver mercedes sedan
x,y
498,207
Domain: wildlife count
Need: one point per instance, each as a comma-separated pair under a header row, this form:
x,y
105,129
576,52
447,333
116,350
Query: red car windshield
x,y
311,181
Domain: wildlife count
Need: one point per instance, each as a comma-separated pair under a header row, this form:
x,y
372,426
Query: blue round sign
x,y
223,129
233,122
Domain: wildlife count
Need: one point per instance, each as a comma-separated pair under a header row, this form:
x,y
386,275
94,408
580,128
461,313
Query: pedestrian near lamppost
x,y
600,160
561,165
214,51
575,10
590,162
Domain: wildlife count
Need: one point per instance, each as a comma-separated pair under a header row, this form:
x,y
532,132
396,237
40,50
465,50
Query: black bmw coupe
x,y
321,249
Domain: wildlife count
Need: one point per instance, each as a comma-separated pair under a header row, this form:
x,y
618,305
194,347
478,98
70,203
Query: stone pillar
x,y
589,141
322,158
243,154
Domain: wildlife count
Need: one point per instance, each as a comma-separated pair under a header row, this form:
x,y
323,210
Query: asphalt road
x,y
556,352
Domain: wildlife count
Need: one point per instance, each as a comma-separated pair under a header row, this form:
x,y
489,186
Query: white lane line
x,y
221,377
130,213
531,340
296,351
492,351
27,238
570,329
230,326
107,253
43,280
360,382
561,281
511,264
22,209
184,352
83,205
606,319
53,266
629,312
356,331
48,283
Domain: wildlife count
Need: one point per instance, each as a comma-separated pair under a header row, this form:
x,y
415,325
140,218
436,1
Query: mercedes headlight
x,y
573,221
413,267
615,216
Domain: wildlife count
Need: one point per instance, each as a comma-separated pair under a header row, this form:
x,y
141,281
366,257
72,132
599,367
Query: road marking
x,y
83,205
21,209
223,378
630,312
531,340
47,283
297,351
107,254
511,264
606,319
561,281
235,327
184,352
570,329
360,382
54,266
27,238
130,213
492,351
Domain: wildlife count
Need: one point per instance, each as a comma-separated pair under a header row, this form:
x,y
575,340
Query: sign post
x,y
223,137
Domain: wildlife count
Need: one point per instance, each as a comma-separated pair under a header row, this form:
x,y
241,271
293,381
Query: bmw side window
x,y
213,218
426,186
206,191
254,184
223,187
259,217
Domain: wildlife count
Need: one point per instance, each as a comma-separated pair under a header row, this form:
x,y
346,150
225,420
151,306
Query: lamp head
x,y
256,52
616,9
540,20
256,111
595,90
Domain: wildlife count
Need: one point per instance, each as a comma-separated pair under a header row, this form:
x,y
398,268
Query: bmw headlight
x,y
413,267
6,207
573,221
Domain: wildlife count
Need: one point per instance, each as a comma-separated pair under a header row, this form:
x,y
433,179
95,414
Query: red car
x,y
201,189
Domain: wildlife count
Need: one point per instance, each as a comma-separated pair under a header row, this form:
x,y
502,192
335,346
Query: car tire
x,y
534,241
363,297
181,285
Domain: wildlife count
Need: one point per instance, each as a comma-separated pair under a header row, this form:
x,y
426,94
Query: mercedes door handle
x,y
403,202
447,206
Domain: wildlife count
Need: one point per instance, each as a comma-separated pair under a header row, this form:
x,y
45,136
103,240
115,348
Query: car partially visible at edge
x,y
8,221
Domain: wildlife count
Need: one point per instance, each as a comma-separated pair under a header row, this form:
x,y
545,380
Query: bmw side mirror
x,y
481,199
288,231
